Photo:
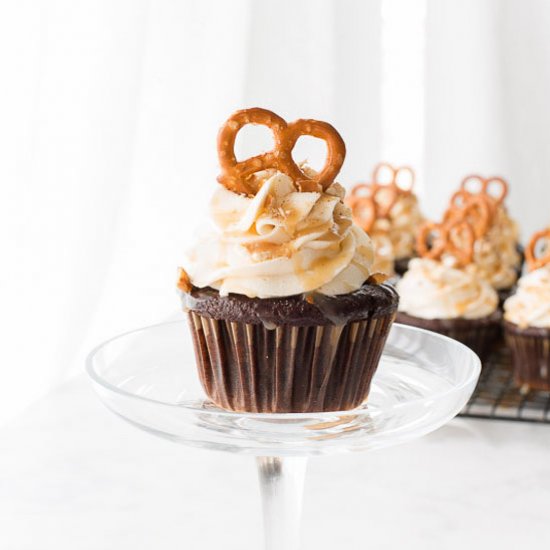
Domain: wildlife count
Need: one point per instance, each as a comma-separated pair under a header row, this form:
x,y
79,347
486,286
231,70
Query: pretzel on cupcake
x,y
236,175
372,201
384,196
475,209
364,210
537,253
402,178
454,237
483,186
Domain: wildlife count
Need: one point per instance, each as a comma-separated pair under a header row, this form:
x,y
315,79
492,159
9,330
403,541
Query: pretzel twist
x,y
455,238
235,175
394,180
485,185
540,242
364,210
474,209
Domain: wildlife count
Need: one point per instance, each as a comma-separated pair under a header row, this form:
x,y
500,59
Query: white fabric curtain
x,y
487,109
110,110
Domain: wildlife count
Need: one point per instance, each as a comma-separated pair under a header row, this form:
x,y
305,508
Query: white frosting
x,y
281,242
530,306
496,255
435,290
497,261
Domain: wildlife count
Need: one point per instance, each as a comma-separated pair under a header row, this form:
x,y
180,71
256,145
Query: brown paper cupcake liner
x,y
530,349
480,335
283,369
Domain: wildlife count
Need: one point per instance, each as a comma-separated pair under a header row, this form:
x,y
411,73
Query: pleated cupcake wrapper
x,y
251,368
480,335
530,357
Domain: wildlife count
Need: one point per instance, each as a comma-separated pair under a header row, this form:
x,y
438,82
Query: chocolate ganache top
x,y
369,301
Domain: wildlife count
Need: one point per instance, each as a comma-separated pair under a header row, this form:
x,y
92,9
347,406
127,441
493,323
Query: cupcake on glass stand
x,y
285,313
288,324
443,291
497,254
527,318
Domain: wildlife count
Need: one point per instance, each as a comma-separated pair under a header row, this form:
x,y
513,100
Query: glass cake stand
x,y
148,378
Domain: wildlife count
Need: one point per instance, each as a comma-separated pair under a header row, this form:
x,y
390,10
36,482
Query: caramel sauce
x,y
267,250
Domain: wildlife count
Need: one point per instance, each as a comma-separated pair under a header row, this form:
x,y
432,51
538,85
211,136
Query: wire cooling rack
x,y
497,398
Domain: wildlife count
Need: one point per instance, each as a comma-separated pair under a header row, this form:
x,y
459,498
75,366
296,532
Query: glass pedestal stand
x,y
148,378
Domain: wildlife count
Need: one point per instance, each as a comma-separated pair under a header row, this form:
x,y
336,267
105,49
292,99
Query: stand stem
x,y
282,488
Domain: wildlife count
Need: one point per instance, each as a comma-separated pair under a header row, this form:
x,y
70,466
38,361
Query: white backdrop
x,y
110,110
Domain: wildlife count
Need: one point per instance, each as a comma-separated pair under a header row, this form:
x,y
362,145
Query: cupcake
x,y
497,253
443,292
527,318
283,309
366,214
395,216
395,193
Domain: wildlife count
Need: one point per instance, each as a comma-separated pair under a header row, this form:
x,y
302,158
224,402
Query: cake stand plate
x,y
148,378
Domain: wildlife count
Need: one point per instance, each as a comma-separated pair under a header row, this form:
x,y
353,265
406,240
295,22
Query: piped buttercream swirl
x,y
435,290
281,242
530,305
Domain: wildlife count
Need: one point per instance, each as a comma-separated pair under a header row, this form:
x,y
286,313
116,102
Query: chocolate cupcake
x,y
497,252
527,318
442,291
450,301
282,305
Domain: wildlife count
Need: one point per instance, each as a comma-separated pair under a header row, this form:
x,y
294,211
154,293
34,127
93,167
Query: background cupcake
x,y
497,252
367,215
527,318
397,210
443,292
284,314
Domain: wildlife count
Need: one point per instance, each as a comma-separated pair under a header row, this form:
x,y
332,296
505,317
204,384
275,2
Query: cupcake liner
x,y
282,369
480,335
530,349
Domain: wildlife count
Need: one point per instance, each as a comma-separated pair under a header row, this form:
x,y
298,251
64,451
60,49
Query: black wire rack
x,y
497,398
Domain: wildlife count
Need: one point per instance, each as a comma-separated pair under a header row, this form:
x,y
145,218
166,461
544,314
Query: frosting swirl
x,y
530,306
496,255
281,242
435,290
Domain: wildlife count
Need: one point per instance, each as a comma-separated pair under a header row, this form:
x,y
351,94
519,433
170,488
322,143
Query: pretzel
x,y
235,175
539,242
362,190
395,172
370,202
485,185
455,238
364,210
474,209
385,196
